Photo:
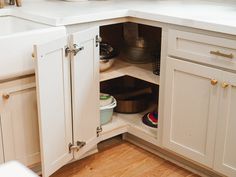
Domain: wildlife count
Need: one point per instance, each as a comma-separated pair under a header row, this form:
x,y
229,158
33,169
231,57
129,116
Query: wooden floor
x,y
122,159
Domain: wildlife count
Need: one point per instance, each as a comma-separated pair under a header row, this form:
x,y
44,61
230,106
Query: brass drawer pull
x,y
218,53
224,85
7,95
214,81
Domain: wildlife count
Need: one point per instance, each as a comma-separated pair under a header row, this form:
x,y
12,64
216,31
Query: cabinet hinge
x,y
72,148
99,130
74,50
80,144
98,40
77,147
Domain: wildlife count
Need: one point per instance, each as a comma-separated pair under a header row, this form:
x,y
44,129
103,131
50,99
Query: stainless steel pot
x,y
137,49
107,56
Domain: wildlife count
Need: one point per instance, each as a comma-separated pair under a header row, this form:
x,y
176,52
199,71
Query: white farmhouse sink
x,y
17,37
12,25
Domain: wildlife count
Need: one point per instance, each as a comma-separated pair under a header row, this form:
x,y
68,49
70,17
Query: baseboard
x,y
36,168
167,155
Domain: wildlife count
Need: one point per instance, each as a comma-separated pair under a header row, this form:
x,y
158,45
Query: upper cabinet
x,y
191,110
65,134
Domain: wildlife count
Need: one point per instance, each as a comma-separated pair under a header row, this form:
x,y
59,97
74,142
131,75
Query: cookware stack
x,y
132,96
107,56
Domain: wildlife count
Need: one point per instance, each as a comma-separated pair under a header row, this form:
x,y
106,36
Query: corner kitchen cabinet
x,y
19,122
67,76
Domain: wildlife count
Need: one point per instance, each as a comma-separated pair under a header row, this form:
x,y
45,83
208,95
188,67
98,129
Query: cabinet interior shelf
x,y
122,68
130,121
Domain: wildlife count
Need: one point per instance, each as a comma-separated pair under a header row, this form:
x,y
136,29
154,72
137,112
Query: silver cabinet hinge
x,y
98,40
72,148
80,144
74,50
99,130
77,147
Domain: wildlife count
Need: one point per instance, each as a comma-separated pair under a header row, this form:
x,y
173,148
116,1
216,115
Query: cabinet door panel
x,y
20,124
85,89
225,154
190,110
53,96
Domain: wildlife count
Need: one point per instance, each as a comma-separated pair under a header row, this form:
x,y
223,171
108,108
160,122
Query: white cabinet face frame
x,y
63,79
191,110
225,153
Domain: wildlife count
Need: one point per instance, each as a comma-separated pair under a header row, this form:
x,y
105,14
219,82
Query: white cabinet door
x,y
85,89
53,96
19,121
191,110
225,151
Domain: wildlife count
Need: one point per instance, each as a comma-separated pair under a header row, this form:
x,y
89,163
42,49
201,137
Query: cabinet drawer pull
x,y
6,96
214,81
224,85
218,53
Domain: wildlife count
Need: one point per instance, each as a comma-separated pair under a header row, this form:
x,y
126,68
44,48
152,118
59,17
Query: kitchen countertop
x,y
213,16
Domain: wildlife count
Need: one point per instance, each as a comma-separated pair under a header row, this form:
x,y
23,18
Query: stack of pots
x,y
132,95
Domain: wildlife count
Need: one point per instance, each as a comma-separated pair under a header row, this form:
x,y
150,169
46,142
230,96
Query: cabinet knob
x,y
33,56
6,96
214,81
224,85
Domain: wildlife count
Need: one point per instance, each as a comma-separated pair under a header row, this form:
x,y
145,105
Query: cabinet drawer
x,y
215,51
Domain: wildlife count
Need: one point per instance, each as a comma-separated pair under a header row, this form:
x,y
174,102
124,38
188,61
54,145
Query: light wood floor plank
x,y
122,160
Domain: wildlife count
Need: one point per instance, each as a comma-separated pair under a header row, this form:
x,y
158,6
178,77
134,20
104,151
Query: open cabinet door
x,y
85,89
53,98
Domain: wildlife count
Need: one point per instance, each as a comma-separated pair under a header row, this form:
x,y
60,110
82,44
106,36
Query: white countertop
x,y
213,16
